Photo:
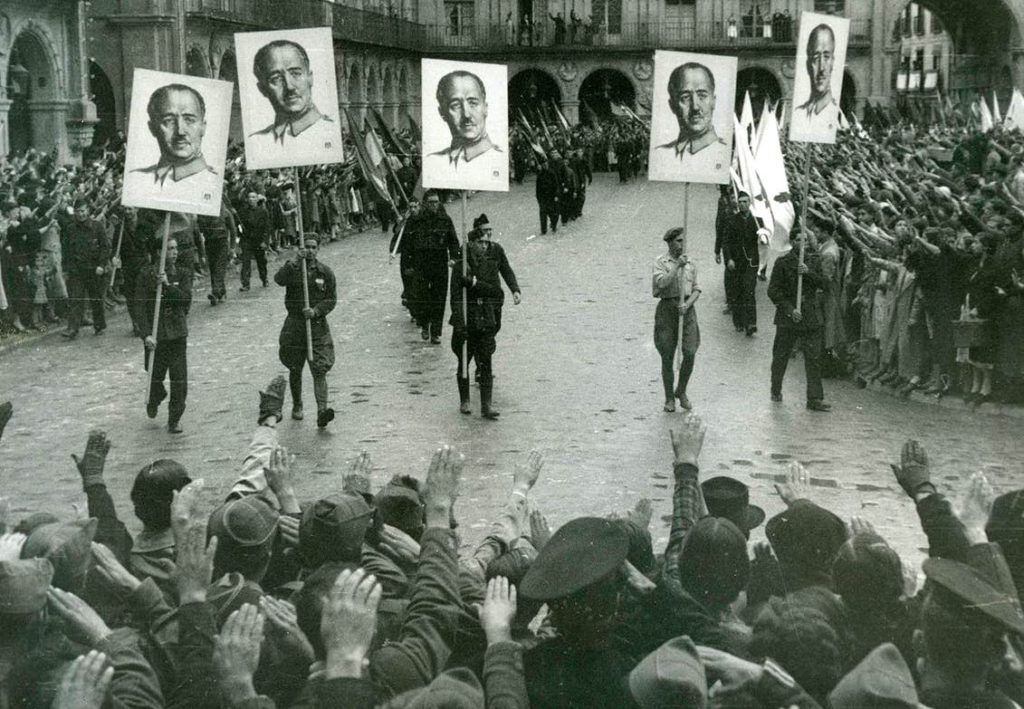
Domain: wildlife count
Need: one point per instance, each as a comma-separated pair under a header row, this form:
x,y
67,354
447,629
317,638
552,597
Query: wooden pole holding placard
x,y
465,299
305,277
804,231
679,275
117,251
160,274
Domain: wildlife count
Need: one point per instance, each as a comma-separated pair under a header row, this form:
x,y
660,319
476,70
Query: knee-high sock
x,y
320,391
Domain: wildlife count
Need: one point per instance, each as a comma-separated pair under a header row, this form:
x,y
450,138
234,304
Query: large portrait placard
x,y
465,125
289,98
818,86
177,142
692,117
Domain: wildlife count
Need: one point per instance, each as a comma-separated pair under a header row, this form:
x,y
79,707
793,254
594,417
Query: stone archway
x,y
602,90
390,111
530,89
983,35
228,71
374,98
405,98
34,118
848,100
763,86
106,104
196,63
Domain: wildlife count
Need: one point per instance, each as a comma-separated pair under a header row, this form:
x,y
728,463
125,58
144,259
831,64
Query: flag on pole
x,y
771,170
986,116
1015,113
371,165
997,116
747,119
765,110
843,123
395,145
750,182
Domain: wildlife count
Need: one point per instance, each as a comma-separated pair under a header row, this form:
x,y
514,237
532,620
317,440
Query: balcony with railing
x,y
347,23
677,34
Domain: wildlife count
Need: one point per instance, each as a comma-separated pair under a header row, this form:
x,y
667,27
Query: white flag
x,y
997,116
1015,113
751,184
760,128
986,116
771,170
747,118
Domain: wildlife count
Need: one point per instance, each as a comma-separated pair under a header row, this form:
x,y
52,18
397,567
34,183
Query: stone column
x,y
571,109
48,130
358,109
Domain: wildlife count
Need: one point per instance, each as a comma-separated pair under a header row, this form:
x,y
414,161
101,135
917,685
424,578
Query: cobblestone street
x,y
577,377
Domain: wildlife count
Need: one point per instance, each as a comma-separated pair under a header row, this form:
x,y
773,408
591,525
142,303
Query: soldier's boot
x,y
324,414
486,390
463,394
295,385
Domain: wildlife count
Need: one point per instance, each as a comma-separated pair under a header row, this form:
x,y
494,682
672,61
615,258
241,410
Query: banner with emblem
x,y
177,142
465,125
692,117
818,85
289,98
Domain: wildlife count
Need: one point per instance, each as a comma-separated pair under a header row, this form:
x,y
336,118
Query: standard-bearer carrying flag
x,y
771,170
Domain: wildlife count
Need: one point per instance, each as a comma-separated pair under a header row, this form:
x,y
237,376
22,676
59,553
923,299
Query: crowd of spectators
x,y
920,239
246,596
63,232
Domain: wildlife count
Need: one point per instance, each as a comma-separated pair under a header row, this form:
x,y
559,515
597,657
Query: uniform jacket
x,y
782,290
740,243
483,295
175,301
549,185
431,240
321,283
255,223
86,246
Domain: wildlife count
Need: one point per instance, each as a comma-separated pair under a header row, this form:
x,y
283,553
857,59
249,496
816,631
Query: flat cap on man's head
x,y
582,552
68,546
246,522
671,676
333,528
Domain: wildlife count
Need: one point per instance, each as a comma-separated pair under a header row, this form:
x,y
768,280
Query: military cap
x,y
333,528
671,676
983,583
247,521
581,552
68,546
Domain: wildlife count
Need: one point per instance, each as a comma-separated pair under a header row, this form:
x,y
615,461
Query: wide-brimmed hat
x,y
882,680
671,676
729,498
983,583
582,552
806,537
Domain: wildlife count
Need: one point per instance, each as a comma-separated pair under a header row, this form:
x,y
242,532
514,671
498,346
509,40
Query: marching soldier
x,y
166,349
431,244
292,343
486,265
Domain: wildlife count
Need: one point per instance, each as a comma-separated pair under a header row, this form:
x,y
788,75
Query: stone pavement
x,y
577,377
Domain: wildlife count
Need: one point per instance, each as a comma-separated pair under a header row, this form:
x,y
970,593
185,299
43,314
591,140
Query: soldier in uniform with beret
x,y
486,265
292,342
